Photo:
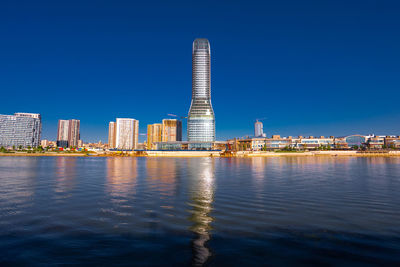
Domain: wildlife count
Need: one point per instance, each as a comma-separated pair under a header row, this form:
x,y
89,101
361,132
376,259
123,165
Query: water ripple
x,y
199,211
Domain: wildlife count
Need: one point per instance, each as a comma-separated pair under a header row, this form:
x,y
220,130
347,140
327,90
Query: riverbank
x,y
334,153
45,154
239,154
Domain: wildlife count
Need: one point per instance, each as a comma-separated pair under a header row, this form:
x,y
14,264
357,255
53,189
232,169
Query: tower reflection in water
x,y
65,173
121,178
201,187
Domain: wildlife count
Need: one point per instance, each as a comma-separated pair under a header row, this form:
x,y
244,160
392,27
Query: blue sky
x,y
310,67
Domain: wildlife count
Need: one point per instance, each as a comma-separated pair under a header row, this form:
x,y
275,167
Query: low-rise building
x,y
392,141
277,142
355,140
313,143
376,142
190,145
263,143
44,143
340,143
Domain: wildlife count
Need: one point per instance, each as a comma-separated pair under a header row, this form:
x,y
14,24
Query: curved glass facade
x,y
355,140
201,119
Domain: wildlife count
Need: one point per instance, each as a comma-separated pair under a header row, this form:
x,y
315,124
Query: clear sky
x,y
310,67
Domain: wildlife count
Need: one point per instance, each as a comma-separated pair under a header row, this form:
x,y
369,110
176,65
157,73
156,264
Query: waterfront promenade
x,y
239,154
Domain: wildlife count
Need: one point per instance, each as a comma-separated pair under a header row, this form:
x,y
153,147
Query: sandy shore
x,y
239,154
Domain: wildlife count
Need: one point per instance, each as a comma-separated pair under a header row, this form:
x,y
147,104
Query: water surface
x,y
199,211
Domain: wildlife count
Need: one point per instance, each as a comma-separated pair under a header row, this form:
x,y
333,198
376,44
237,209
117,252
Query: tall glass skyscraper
x,y
201,119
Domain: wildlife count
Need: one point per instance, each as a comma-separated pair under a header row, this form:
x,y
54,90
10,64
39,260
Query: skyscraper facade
x,y
154,134
171,130
73,133
112,128
62,130
20,129
68,133
127,133
201,119
258,129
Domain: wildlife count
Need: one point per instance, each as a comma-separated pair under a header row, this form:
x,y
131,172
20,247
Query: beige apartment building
x,y
171,130
154,134
112,134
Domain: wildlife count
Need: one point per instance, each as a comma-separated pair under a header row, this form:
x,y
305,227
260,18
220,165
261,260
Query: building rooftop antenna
x,y
261,119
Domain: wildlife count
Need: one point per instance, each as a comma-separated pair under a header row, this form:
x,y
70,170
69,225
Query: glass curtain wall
x,y
201,119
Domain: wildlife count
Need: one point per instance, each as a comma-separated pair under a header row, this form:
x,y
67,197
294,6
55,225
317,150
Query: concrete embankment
x,y
183,153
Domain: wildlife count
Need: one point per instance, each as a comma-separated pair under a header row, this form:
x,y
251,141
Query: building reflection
x,y
163,173
65,173
121,176
258,168
201,178
19,177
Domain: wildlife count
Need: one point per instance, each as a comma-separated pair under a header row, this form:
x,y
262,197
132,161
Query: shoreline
x,y
218,154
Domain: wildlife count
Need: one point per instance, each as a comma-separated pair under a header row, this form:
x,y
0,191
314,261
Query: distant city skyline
x,y
313,68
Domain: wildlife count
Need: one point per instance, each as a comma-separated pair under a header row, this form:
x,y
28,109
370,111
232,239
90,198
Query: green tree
x,y
20,147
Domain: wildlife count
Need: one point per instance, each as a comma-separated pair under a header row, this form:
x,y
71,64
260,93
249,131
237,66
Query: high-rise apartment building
x,y
20,129
127,133
171,130
154,134
258,129
62,133
112,130
201,119
68,133
74,135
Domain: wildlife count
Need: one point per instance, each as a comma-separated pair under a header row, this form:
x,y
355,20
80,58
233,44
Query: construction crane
x,y
176,116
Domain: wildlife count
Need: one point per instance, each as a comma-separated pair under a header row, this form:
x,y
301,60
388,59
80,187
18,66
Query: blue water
x,y
199,211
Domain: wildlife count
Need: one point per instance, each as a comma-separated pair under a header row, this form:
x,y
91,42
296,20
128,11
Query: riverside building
x,y
201,118
171,130
20,129
127,134
112,132
258,129
68,133
168,132
154,135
